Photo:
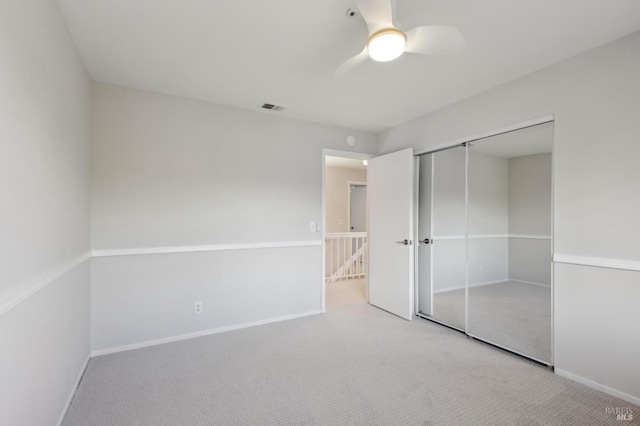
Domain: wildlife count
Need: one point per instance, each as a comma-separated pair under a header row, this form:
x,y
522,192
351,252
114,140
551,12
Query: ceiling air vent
x,y
272,107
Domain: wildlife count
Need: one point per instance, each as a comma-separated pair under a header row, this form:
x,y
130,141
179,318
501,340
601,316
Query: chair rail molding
x,y
491,236
598,262
201,248
22,292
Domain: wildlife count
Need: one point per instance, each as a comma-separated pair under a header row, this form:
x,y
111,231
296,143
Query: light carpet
x,y
355,365
346,293
514,315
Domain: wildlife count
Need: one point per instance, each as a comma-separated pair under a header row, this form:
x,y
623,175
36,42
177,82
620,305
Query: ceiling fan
x,y
387,42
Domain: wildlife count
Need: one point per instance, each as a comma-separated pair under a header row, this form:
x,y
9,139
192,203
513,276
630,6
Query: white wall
x,y
488,194
137,299
449,219
449,202
530,214
530,194
488,215
507,198
44,345
594,97
44,217
337,198
169,172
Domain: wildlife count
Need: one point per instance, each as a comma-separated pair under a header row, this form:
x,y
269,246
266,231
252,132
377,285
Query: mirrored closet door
x,y
442,246
484,223
509,211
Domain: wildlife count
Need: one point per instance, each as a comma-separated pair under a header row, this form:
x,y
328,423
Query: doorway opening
x,y
345,237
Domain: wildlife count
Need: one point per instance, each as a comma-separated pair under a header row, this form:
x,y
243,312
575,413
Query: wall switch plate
x,y
312,227
197,307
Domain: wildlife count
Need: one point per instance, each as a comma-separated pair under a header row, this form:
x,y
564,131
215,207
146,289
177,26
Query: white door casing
x,y
390,197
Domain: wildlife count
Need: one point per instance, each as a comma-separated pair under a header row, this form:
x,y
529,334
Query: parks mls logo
x,y
621,413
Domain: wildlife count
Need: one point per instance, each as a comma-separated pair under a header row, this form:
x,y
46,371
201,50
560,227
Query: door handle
x,y
404,242
426,241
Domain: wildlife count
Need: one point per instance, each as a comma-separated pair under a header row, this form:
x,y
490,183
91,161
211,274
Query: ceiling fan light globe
x,y
386,45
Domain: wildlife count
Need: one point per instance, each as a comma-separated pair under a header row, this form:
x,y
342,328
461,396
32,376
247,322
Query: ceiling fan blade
x,y
378,14
434,40
394,14
351,63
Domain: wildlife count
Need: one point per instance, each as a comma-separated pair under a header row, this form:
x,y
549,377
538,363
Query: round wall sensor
x,y
352,12
351,140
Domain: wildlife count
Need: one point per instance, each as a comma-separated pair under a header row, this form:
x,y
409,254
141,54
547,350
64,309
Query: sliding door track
x,y
437,321
489,343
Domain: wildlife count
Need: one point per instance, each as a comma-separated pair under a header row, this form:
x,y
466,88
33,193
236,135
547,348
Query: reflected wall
x,y
490,258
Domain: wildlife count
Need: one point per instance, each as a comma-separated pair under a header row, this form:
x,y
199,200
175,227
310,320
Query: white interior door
x,y
390,192
358,208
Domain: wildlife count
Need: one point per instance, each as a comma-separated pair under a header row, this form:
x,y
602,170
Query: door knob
x,y
426,241
404,242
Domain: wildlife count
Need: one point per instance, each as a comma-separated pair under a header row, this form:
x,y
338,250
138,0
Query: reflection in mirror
x,y
509,244
442,220
423,241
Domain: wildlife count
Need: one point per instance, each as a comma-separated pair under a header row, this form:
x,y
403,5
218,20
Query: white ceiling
x,y
346,163
243,53
532,140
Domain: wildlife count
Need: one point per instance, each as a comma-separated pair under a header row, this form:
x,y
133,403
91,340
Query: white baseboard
x,y
531,283
597,386
460,287
148,343
73,391
493,282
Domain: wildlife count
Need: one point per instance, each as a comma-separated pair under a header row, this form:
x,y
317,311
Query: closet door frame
x,y
464,142
417,236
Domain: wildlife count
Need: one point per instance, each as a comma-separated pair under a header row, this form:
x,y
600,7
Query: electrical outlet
x,y
312,227
197,307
